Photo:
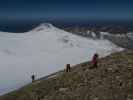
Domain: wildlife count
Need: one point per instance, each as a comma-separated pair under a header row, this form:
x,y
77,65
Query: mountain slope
x,y
112,80
43,50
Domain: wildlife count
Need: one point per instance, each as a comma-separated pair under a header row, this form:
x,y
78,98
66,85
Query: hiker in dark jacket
x,y
95,61
33,77
68,68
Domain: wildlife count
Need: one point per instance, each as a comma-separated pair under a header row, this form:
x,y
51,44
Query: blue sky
x,y
66,9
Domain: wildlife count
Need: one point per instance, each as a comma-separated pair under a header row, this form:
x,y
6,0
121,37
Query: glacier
x,y
42,51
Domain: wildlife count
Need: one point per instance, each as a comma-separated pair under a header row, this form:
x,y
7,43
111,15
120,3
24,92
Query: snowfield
x,y
43,50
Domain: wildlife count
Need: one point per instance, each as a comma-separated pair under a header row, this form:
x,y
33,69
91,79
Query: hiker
x,y
33,78
68,68
95,61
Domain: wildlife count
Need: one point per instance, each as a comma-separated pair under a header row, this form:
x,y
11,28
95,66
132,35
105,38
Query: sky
x,y
13,10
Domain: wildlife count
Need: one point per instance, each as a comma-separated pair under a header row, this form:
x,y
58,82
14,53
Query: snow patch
x,y
130,35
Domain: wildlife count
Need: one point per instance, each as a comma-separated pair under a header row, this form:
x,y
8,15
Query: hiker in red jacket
x,y
95,61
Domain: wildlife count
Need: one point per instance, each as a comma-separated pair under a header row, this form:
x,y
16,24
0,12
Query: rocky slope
x,y
112,80
117,34
113,29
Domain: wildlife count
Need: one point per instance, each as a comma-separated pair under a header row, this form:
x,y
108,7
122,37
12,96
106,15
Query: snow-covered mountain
x,y
43,50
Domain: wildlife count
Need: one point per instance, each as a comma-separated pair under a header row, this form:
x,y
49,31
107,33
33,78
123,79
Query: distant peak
x,y
43,26
48,25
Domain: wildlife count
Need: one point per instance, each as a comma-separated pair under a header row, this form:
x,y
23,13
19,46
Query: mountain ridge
x,y
44,52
